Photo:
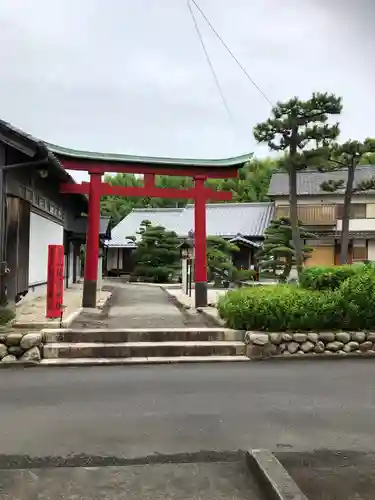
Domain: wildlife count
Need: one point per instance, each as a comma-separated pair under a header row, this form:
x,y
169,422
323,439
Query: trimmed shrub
x,y
357,300
288,307
281,308
328,278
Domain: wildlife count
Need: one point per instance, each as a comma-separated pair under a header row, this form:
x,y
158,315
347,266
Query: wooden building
x,y
242,223
33,214
321,213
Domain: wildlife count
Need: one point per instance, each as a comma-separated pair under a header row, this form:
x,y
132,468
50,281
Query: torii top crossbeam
x,y
96,164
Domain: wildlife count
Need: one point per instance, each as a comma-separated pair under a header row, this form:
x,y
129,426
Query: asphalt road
x,y
124,412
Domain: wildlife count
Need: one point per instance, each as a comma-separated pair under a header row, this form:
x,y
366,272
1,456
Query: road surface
x,y
114,413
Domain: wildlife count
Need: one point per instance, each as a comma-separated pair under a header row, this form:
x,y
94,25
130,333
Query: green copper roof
x,y
121,158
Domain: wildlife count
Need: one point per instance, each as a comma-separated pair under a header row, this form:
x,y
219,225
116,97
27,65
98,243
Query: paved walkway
x,y
194,481
140,306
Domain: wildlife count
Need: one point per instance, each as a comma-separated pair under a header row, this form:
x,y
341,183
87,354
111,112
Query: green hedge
x,y
288,307
328,278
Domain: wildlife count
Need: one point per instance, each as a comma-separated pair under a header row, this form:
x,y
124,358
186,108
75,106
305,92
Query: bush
x,y
6,315
357,300
292,308
280,308
328,278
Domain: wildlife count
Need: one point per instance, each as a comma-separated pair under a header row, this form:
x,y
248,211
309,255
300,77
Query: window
x,y
359,250
357,211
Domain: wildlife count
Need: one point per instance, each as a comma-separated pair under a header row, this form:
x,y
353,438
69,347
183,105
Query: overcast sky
x,y
130,76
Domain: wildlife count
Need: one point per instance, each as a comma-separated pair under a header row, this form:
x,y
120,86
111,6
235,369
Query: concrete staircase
x,y
136,346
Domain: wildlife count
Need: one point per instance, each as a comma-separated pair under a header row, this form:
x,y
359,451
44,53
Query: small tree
x,y
219,259
157,255
277,256
295,127
347,157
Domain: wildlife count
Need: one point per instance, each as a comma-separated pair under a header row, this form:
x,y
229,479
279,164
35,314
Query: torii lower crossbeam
x,y
95,189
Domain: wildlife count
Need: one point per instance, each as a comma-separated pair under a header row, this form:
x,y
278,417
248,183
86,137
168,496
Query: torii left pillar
x,y
92,242
200,243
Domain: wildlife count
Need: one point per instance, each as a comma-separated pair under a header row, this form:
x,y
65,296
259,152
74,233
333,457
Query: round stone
x,y
281,348
358,337
351,346
258,339
319,347
276,338
9,358
334,346
287,337
313,337
343,337
327,336
365,346
32,354
293,347
300,337
31,340
3,351
307,346
15,350
13,339
371,336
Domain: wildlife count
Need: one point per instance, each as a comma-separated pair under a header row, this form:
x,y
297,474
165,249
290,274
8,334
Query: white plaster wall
x,y
370,210
43,232
371,250
358,225
112,258
71,263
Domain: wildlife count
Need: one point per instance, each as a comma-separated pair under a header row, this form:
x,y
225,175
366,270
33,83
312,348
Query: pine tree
x,y
219,259
277,255
347,157
295,127
157,256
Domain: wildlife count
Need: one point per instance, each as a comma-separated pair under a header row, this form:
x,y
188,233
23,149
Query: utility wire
x,y
215,77
230,52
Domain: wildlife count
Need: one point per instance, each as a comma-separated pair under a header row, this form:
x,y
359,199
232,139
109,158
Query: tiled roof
x,y
309,181
124,158
223,219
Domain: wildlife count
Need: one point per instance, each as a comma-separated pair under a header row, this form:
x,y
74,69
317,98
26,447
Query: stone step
x,y
142,335
142,349
140,361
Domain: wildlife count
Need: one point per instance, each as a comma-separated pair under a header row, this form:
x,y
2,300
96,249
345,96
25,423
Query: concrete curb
x,y
212,316
19,364
316,357
272,476
186,360
173,297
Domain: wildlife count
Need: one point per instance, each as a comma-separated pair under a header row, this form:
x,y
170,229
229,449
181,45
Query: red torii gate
x,y
97,164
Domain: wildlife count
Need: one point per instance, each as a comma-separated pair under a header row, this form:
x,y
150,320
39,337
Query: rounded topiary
x,y
6,315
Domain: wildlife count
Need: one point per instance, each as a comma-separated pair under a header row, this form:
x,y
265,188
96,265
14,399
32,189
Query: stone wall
x,y
20,347
265,345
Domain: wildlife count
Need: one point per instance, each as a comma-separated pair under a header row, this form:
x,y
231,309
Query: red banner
x,y
55,281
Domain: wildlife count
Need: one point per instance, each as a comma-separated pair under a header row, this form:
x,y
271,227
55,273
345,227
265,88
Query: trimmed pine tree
x,y
277,256
157,256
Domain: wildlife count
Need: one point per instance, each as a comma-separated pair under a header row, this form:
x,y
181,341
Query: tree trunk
x,y
294,218
344,240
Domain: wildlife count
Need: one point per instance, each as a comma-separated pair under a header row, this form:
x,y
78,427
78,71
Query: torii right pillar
x,y
200,243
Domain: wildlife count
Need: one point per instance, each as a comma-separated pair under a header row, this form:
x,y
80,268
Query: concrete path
x,y
140,306
211,481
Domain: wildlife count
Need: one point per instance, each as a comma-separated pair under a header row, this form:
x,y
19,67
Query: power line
x,y
231,53
215,77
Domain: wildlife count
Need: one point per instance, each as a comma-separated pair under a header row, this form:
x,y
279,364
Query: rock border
x,y
302,345
20,348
